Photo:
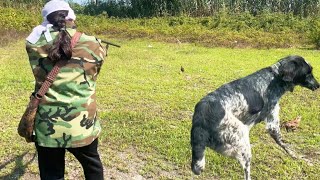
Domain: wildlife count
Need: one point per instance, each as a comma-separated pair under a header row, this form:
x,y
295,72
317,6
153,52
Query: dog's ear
x,y
288,71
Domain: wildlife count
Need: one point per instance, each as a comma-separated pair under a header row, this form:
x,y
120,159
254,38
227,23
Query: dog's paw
x,y
198,166
290,152
196,169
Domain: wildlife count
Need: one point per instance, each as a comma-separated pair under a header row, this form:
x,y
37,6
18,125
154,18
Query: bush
x,y
229,30
18,20
314,33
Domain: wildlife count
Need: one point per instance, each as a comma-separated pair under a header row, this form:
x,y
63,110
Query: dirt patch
x,y
129,163
118,165
7,37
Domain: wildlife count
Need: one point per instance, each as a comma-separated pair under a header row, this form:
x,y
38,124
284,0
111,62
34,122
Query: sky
x,y
78,1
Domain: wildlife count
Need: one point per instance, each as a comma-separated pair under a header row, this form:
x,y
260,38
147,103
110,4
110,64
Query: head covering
x,y
54,5
49,7
71,15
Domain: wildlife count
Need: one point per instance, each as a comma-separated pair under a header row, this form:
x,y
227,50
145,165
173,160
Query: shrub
x,y
230,30
314,33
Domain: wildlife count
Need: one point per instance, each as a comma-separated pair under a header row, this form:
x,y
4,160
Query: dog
x,y
223,118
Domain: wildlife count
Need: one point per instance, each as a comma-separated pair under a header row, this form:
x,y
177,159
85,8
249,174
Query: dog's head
x,y
295,70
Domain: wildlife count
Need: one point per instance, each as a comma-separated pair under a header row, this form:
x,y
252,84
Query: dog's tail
x,y
198,142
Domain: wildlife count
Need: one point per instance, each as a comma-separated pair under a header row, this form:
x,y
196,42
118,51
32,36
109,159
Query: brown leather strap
x,y
55,70
75,39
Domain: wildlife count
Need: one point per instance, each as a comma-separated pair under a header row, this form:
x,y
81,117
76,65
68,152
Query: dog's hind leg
x,y
243,155
244,159
273,128
199,138
242,152
236,143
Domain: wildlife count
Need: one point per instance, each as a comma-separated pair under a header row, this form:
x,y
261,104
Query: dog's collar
x,y
275,68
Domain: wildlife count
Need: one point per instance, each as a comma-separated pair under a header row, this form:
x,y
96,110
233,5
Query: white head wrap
x,y
49,7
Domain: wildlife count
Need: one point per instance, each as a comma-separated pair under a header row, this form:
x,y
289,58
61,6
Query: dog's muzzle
x,y
314,86
311,83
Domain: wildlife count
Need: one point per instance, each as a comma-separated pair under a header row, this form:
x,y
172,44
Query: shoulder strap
x,y
55,70
75,39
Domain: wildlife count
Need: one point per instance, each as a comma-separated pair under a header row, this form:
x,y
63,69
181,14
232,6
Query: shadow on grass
x,y
20,167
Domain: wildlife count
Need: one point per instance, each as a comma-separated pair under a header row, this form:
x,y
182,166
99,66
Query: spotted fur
x,y
223,118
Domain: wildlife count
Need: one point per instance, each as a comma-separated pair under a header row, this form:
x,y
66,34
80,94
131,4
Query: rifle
x,y
72,24
110,43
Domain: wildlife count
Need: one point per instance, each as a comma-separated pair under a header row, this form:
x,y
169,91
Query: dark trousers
x,y
52,161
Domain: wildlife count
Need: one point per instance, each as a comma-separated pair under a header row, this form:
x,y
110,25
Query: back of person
x,y
67,113
66,119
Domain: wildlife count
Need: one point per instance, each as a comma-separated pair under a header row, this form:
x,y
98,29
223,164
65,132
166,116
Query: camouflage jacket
x,y
67,114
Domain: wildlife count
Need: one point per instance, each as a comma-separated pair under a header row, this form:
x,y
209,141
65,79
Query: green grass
x,y
146,104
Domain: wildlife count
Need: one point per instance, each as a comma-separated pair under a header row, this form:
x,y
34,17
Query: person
x,y
66,118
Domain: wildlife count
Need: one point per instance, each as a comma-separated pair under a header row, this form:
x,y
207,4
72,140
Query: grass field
x,y
146,104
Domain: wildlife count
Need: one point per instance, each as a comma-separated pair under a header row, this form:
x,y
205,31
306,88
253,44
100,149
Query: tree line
x,y
196,8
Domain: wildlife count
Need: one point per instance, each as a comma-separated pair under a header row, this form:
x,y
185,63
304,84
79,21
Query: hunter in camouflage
x,y
71,99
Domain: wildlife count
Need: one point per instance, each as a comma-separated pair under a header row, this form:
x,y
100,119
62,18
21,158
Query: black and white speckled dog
x,y
222,119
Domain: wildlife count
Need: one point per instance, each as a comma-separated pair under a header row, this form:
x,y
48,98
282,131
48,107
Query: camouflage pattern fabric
x,y
67,114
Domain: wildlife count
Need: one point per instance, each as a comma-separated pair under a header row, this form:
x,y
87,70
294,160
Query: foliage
x,y
18,20
199,8
265,30
31,5
314,34
239,30
156,8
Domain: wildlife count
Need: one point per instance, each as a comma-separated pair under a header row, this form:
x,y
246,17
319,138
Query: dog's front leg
x,y
273,128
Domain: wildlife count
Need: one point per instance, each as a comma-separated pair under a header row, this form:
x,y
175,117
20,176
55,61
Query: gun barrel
x,y
110,43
